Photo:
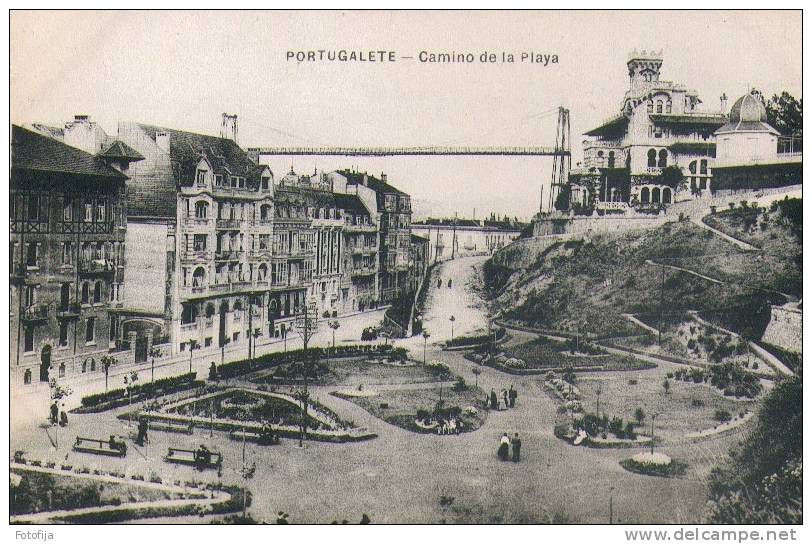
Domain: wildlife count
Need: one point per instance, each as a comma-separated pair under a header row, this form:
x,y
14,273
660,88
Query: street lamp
x,y
426,336
452,319
335,325
153,353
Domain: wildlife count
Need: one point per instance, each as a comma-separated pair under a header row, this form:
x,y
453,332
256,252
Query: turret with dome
x,y
747,135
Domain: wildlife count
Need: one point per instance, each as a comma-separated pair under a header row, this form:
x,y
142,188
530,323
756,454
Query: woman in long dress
x,y
504,447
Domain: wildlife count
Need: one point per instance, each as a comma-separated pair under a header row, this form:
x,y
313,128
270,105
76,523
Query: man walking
x,y
515,446
512,394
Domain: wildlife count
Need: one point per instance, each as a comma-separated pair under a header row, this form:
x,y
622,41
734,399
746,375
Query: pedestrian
x,y
63,417
505,397
449,283
494,401
365,519
516,446
439,282
504,446
54,413
512,395
281,518
142,431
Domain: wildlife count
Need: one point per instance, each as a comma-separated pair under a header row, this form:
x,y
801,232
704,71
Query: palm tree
x,y
107,361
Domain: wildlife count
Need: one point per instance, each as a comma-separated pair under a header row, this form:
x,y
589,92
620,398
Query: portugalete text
x,y
341,55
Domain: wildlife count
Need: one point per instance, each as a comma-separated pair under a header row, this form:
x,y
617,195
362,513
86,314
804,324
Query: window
x,y
652,158
64,295
663,159
668,106
218,179
659,106
201,210
201,177
265,182
703,166
100,211
199,277
200,242
88,212
62,370
611,159
658,132
85,293
265,212
90,330
33,208
207,342
29,339
63,334
27,377
97,292
31,254
264,241
692,167
67,211
650,107
67,252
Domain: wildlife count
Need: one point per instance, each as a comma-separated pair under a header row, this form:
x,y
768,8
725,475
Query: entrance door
x,y
140,349
45,364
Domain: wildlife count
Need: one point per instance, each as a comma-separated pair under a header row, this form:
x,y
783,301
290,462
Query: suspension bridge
x,y
560,151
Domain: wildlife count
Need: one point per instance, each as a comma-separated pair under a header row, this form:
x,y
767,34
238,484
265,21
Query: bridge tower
x,y
561,160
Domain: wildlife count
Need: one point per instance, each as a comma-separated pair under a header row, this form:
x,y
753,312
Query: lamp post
x,y
426,337
652,433
598,401
153,353
192,344
335,325
452,319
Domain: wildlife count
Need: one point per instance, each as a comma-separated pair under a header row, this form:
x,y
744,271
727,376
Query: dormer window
x,y
659,106
650,107
265,182
218,179
201,177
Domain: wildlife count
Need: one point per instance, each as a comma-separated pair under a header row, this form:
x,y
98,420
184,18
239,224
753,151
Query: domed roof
x,y
748,108
747,115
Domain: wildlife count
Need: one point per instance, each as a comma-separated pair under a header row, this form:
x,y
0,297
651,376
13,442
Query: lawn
x,y
687,407
354,372
40,492
401,407
548,353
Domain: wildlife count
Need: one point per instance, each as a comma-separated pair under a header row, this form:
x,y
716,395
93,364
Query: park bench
x,y
183,428
191,458
100,447
258,438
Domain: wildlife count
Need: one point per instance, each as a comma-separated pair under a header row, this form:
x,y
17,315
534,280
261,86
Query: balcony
x,y
197,222
349,227
363,271
96,266
35,313
229,223
69,311
196,256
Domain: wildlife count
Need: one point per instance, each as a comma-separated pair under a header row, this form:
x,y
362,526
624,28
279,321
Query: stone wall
x,y
578,225
785,329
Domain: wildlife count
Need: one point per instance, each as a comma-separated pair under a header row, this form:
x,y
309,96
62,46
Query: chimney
x,y
229,127
383,177
162,140
723,103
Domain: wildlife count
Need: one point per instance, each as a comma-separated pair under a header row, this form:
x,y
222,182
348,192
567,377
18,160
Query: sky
x,y
184,69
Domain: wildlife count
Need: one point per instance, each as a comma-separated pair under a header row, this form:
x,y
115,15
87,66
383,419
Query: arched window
x,y
265,212
201,210
97,292
62,370
652,158
600,158
663,160
85,293
27,377
666,195
692,167
644,195
199,277
64,295
703,166
659,106
262,272
611,159
668,106
650,107
209,309
655,194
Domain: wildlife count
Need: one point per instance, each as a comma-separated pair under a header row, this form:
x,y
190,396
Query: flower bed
x,y
657,464
118,397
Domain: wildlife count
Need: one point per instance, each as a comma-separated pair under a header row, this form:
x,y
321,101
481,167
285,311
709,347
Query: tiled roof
x,y
187,148
120,150
373,183
747,126
615,123
33,151
351,203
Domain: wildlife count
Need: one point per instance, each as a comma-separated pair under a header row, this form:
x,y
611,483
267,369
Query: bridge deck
x,y
392,151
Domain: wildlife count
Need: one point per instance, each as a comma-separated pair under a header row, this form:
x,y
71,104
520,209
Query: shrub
x,y
459,385
722,416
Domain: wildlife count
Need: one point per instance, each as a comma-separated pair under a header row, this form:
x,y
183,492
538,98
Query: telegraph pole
x,y
454,238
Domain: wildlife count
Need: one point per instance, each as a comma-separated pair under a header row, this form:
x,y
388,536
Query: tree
x,y
639,415
477,371
562,201
784,112
107,361
672,176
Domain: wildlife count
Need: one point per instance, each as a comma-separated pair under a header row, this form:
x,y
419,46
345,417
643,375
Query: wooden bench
x,y
171,427
257,438
100,447
191,458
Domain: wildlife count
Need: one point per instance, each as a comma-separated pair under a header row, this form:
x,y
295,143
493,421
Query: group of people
x,y
509,445
440,283
509,397
57,416
202,457
143,427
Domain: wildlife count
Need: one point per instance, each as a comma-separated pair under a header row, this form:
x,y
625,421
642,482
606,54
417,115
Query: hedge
x,y
230,370
475,340
162,386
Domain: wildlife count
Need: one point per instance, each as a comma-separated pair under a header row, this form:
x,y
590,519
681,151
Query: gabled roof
x,y
419,239
120,150
34,152
373,183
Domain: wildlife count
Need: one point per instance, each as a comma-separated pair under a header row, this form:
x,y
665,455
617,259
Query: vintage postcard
x,y
390,267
